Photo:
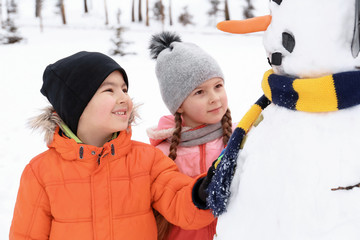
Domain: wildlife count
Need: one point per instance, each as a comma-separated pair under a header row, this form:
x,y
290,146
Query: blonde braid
x,y
175,140
226,122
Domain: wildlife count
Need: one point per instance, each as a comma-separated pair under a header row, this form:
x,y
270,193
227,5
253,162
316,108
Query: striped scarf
x,y
324,94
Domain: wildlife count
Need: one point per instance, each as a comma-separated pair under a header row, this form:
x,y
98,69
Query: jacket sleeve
x,y
172,195
32,217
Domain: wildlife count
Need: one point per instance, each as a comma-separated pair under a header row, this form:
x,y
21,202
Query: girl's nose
x,y
213,97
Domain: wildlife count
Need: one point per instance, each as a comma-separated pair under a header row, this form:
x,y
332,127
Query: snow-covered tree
x,y
158,11
8,31
185,17
214,10
120,43
248,9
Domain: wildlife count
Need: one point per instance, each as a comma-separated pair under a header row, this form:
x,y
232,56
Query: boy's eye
x,y
125,90
218,85
108,90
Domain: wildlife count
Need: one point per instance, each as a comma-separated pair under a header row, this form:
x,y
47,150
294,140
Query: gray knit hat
x,y
180,68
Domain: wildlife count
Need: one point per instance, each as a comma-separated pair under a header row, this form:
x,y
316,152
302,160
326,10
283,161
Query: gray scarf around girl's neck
x,y
200,136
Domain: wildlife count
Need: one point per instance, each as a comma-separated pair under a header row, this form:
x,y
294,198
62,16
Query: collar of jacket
x,y
70,150
72,135
324,94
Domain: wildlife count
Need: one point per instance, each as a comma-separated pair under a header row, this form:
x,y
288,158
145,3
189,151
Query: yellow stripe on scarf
x,y
249,118
325,99
265,84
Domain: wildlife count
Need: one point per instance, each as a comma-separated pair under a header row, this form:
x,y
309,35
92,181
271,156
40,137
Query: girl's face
x,y
107,112
206,104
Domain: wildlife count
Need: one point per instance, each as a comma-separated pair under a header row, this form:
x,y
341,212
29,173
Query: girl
x,y
94,182
192,87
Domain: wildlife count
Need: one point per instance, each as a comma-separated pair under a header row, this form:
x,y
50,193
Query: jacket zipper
x,y
202,158
99,156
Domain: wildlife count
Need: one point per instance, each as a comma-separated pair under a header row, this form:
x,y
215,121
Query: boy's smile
x,y
107,112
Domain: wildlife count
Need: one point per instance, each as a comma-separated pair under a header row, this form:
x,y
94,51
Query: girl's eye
x,y
108,90
198,92
125,90
219,85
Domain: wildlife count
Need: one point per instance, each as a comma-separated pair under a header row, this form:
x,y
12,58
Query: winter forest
x,y
142,12
34,34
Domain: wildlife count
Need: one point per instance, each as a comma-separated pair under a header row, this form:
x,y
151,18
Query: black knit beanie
x,y
70,83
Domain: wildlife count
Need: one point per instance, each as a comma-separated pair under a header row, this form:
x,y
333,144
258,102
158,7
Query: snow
x,y
242,59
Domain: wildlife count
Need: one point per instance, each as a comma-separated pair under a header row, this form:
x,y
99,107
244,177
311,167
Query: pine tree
x,y
118,41
158,11
8,32
185,18
248,9
214,10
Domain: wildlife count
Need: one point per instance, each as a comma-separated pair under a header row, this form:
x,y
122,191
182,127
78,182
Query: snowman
x,y
294,160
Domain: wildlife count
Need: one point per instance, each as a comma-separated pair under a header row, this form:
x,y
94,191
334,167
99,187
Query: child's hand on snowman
x,y
199,191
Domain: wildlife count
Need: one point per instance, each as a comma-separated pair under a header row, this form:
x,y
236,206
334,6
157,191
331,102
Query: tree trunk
x,y
1,19
86,10
106,13
7,9
170,14
62,10
162,14
227,14
37,8
41,23
140,14
133,11
147,13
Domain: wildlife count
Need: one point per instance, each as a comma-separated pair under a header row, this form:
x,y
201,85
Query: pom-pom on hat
x,y
180,68
70,83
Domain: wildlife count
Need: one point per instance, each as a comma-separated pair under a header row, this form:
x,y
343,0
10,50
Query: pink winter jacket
x,y
191,161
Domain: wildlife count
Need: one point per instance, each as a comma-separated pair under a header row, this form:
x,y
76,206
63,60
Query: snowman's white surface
x,y
285,173
292,160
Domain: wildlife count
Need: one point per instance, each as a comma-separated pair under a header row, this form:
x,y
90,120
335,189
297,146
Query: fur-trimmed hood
x,y
49,120
164,130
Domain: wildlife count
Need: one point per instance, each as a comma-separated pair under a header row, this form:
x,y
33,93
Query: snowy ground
x,y
242,59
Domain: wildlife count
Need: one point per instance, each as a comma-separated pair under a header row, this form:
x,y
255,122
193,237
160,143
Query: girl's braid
x,y
175,140
226,122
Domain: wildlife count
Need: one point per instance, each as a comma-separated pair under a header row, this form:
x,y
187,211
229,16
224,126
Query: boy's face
x,y
109,109
206,104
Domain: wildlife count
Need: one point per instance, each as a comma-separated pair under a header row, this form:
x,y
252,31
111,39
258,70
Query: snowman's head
x,y
307,38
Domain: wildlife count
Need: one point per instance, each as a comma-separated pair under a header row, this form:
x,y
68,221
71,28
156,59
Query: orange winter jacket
x,y
83,192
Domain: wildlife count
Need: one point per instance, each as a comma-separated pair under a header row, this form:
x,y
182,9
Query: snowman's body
x,y
290,162
285,173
